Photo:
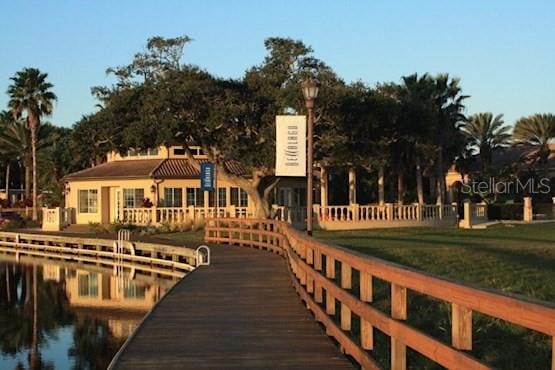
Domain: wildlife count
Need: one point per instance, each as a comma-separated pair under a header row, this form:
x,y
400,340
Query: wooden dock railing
x,y
313,268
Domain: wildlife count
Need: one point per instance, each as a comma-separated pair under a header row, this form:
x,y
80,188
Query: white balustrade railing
x,y
55,219
384,213
291,215
480,211
373,213
180,215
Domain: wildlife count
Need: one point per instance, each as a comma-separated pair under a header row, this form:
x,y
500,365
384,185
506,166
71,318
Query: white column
x,y
323,186
528,215
381,187
352,186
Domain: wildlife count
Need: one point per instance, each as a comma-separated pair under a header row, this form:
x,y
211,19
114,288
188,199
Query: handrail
x,y
313,265
147,256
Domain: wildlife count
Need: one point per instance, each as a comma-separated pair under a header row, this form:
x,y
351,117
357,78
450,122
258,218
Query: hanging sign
x,y
291,146
207,175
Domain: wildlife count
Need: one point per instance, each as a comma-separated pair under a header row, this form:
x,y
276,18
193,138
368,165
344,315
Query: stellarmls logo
x,y
530,186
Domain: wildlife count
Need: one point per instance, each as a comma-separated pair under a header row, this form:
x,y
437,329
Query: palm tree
x,y
15,143
487,133
31,93
536,132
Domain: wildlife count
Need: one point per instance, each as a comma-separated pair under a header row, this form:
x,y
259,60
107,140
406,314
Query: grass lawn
x,y
190,239
517,259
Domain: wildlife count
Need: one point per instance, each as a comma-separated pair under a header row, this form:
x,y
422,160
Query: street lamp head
x,y
310,92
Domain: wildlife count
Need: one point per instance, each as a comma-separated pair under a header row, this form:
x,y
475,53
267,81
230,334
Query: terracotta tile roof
x,y
177,169
118,169
233,167
158,168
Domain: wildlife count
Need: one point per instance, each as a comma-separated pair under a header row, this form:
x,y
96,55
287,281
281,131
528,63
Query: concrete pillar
x,y
323,186
227,199
528,212
466,222
381,187
352,186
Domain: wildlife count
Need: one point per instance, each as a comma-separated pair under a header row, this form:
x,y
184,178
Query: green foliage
x,y
508,211
486,133
536,132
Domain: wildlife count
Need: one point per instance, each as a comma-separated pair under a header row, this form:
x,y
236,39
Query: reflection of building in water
x,y
117,300
52,273
92,289
122,328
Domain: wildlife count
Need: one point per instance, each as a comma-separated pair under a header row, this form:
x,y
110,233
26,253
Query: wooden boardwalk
x,y
240,313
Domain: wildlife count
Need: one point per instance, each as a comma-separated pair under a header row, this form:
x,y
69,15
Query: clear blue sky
x,y
503,51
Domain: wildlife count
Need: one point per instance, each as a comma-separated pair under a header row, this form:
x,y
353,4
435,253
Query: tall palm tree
x,y
15,142
31,94
486,133
536,132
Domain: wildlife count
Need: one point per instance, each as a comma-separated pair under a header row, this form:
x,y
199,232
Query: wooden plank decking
x,y
241,312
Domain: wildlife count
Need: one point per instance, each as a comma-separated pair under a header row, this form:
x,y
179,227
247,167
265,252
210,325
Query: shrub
x,y
147,203
9,225
505,211
97,228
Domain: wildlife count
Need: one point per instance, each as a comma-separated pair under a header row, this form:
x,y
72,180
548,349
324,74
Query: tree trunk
x,y
34,357
419,186
440,179
28,283
381,186
8,167
261,204
433,187
28,169
34,125
8,286
258,190
400,188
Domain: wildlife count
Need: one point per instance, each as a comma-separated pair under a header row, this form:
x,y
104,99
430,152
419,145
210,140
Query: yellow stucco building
x,y
150,186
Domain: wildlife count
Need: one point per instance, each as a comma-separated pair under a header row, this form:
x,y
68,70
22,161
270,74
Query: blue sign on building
x,y
207,176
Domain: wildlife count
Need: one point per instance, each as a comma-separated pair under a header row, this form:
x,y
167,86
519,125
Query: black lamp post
x,y
310,92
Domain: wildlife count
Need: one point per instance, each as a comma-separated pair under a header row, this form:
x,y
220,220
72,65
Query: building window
x,y
148,152
239,197
134,291
133,198
88,201
222,192
173,197
195,197
178,151
222,195
88,285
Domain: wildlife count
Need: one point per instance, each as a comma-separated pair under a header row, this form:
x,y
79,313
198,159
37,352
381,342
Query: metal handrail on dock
x,y
155,258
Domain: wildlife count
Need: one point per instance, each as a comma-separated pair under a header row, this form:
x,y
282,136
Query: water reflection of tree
x,y
27,318
94,344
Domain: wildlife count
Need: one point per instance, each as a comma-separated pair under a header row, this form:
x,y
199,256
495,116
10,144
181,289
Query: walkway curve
x,y
239,313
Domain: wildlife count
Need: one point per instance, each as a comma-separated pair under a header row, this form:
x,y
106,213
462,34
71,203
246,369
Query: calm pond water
x,y
56,315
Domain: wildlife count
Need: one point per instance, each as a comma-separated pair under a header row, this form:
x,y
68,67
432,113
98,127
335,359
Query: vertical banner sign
x,y
207,174
291,146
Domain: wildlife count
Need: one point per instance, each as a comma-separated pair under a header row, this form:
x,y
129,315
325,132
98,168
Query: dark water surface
x,y
56,315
